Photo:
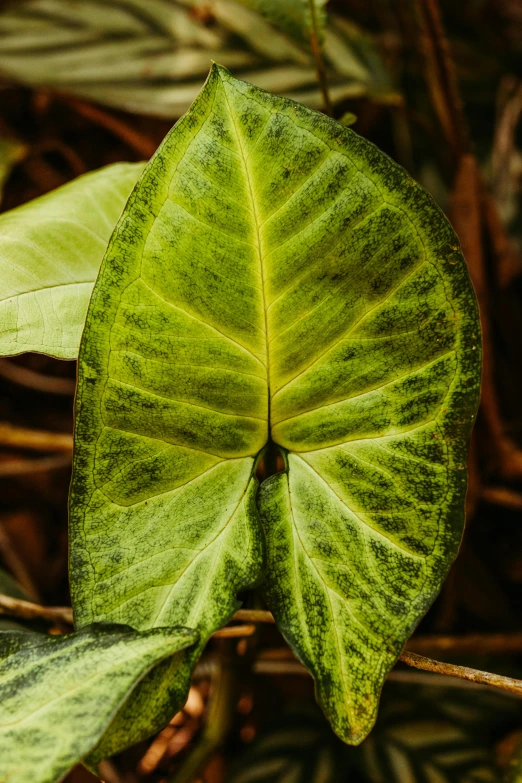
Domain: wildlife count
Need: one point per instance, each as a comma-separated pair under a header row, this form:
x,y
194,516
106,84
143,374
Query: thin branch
x,y
28,611
136,141
235,631
254,616
502,496
35,440
463,672
19,467
23,376
315,43
284,664
441,76
477,644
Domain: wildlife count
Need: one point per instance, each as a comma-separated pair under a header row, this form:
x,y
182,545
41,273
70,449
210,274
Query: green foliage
x,y
58,693
50,253
274,275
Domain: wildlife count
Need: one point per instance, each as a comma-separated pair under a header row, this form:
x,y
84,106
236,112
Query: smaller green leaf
x,y
50,253
298,18
59,693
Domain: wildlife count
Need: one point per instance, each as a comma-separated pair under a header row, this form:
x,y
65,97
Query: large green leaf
x,y
275,275
50,254
58,693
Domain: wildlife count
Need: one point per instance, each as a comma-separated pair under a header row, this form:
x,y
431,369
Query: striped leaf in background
x,y
424,734
299,748
150,56
436,735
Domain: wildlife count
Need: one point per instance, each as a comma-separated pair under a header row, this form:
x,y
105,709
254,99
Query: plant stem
x,y
219,720
483,643
254,616
23,376
29,611
322,76
235,631
35,440
463,672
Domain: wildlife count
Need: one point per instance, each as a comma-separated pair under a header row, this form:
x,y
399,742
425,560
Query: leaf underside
x,y
274,275
58,693
50,254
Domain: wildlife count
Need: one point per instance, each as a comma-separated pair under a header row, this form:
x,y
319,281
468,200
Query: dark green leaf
x,y
59,693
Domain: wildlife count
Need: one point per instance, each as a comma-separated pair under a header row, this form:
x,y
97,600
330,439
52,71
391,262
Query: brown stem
x,y
254,616
35,440
441,76
463,672
28,611
23,376
233,631
136,141
475,643
20,467
501,496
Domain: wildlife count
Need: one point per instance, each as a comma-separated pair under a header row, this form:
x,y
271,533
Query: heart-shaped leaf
x,y
59,693
50,254
276,277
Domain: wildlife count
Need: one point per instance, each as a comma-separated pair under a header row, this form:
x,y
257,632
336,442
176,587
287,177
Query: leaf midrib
x,y
257,224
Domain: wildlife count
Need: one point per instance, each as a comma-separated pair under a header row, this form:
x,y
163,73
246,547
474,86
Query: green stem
x,y
319,61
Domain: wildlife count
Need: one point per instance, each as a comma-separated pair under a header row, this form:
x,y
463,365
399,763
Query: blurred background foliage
x,y
438,86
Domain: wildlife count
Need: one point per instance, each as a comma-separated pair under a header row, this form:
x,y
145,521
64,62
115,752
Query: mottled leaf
x,y
50,254
275,274
58,693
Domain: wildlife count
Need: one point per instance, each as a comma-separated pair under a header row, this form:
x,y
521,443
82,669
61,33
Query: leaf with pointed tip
x,y
50,254
58,693
269,254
